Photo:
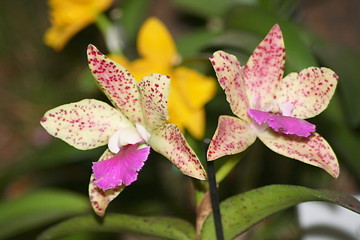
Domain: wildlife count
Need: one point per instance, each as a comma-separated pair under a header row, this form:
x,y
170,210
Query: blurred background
x,y
35,78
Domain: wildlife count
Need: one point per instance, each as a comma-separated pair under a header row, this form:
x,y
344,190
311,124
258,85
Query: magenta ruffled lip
x,y
122,168
284,124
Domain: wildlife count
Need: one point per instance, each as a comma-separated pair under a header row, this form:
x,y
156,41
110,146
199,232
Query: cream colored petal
x,y
117,83
168,141
265,69
230,77
233,135
100,199
309,92
85,124
154,91
313,150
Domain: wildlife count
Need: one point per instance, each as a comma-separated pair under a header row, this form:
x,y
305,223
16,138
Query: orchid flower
x,y
273,108
137,123
68,17
190,90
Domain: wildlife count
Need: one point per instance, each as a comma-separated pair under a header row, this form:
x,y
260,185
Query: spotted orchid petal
x,y
154,91
309,91
313,150
86,124
169,141
230,77
284,124
100,199
117,83
264,70
122,168
233,135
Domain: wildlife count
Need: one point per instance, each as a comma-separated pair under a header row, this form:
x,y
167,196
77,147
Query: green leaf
x,y
205,8
132,15
260,21
38,209
236,39
54,155
191,44
165,227
242,211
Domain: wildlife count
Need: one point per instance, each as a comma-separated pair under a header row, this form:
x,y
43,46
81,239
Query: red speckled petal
x,y
230,76
265,69
117,83
121,169
233,135
313,150
100,199
154,95
85,124
284,124
169,141
309,91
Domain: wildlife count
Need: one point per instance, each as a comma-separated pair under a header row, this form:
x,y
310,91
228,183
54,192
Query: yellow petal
x,y
68,17
143,67
156,43
185,117
120,59
196,124
195,88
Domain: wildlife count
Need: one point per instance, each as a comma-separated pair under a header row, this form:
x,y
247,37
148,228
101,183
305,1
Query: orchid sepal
x,y
117,84
169,142
86,124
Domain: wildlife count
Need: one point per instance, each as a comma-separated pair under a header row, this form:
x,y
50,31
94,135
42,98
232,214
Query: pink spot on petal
x,y
284,124
122,169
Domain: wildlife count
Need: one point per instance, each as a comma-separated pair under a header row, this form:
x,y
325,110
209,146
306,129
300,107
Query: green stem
x,y
226,168
103,23
108,31
200,189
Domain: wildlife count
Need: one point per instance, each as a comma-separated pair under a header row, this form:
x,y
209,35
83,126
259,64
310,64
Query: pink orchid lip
x,y
122,168
284,124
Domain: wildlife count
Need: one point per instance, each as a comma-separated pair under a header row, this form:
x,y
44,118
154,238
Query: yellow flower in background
x,y
189,89
68,17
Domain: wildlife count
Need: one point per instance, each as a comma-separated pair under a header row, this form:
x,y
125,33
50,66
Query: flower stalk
x,y
214,196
